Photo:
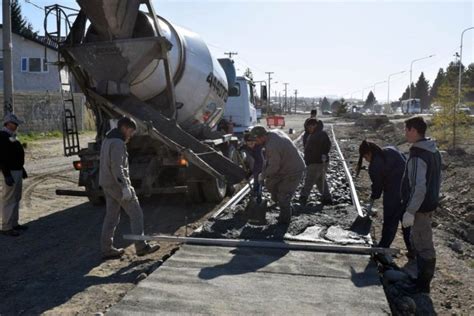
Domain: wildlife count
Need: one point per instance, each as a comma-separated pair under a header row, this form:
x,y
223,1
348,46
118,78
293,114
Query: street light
x,y
459,88
460,64
388,84
411,68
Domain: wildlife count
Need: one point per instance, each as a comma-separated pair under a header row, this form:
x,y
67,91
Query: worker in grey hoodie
x,y
420,194
283,168
119,193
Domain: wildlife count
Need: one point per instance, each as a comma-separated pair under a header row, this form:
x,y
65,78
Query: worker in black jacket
x,y
386,167
306,134
12,159
316,157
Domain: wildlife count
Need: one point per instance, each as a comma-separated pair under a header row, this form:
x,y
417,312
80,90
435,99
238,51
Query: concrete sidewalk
x,y
229,281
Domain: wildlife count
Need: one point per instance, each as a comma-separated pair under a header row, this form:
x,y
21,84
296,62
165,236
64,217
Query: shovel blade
x,y
361,225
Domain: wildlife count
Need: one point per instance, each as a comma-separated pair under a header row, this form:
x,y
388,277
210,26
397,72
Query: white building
x,y
32,70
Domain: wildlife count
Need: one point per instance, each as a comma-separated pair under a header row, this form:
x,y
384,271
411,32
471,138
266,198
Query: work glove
x,y
368,208
408,220
127,194
9,181
261,179
24,175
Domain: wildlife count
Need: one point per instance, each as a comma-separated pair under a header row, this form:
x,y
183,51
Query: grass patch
x,y
35,136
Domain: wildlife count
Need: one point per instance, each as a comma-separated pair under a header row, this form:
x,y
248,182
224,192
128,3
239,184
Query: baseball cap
x,y
12,118
258,131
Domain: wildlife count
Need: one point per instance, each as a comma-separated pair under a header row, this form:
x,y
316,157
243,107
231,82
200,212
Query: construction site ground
x,y
55,267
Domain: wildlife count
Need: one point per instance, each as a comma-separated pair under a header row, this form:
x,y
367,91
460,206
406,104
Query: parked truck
x,y
136,63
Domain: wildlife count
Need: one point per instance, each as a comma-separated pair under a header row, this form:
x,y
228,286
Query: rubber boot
x,y
426,268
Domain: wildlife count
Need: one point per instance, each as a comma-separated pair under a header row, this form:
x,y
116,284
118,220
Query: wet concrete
x,y
335,219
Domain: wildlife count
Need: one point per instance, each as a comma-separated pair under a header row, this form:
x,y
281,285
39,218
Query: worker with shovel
x,y
386,167
283,168
253,163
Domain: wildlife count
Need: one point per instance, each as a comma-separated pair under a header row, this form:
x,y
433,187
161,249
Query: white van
x,y
240,106
411,106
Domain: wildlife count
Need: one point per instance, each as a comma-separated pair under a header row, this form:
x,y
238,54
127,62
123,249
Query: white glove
x,y
127,194
261,179
408,220
368,208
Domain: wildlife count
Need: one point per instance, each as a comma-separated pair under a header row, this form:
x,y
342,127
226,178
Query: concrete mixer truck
x,y
129,61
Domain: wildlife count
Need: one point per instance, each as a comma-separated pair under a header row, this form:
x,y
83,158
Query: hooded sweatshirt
x,y
12,154
114,170
317,145
422,177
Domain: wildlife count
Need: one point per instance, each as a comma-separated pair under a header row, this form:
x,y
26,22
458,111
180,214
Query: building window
x,y
34,65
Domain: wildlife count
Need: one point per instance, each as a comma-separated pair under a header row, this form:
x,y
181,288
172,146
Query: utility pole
x,y
7,59
230,54
296,99
286,95
269,73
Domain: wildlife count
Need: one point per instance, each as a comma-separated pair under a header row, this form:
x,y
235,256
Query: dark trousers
x,y
392,215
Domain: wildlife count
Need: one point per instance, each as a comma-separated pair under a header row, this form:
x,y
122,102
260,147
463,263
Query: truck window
x,y
251,92
235,90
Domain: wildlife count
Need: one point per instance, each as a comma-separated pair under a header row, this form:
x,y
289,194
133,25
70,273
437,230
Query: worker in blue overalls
x,y
386,167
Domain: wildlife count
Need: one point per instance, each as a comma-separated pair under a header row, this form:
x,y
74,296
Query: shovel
x,y
362,224
256,208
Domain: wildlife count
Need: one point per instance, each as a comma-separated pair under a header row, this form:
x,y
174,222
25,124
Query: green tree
x,y
342,108
440,77
447,121
370,101
325,104
19,24
422,92
468,84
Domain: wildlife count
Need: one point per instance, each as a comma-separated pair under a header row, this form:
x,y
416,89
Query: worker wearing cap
x,y
283,168
306,133
119,193
12,159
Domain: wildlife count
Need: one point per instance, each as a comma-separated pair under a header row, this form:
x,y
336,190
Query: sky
x,y
322,48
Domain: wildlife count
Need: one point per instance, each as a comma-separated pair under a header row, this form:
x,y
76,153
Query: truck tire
x,y
214,190
194,194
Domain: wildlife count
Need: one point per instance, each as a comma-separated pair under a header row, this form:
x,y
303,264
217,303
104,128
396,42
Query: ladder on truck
x,y
70,132
56,37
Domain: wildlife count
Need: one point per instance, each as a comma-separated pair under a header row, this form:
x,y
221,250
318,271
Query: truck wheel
x,y
214,190
194,192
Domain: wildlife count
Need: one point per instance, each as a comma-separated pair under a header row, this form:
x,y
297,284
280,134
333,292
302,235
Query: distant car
x,y
436,109
465,110
327,112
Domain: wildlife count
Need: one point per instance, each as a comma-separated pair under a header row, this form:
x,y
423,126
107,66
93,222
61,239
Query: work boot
x,y
426,268
285,216
113,253
20,227
147,250
11,233
303,200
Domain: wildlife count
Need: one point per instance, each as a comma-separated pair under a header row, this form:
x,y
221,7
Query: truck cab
x,y
240,106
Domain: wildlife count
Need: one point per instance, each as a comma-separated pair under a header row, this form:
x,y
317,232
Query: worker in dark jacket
x,y
386,167
316,157
306,131
420,193
12,159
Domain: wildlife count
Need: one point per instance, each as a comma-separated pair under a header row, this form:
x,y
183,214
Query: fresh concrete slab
x,y
238,281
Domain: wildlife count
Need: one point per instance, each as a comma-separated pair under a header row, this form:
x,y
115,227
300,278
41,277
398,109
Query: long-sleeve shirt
x,y
114,169
282,156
